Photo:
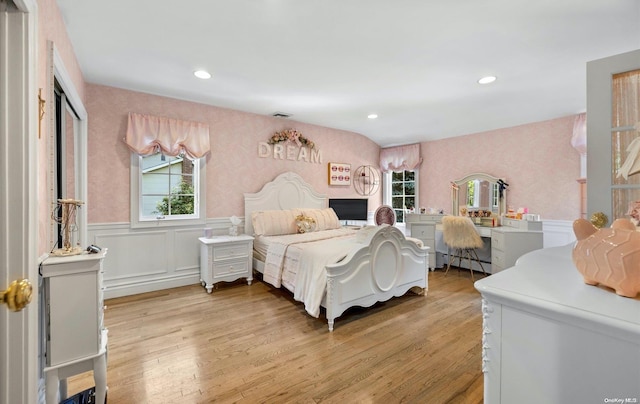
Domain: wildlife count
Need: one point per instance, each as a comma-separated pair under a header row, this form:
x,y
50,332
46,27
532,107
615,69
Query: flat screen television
x,y
350,209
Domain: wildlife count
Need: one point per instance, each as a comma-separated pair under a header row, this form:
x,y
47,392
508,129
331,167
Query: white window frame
x,y
386,189
179,220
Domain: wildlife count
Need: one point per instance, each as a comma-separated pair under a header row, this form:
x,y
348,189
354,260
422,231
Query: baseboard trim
x,y
145,286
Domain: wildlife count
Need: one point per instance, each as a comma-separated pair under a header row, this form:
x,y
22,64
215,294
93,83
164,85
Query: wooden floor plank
x,y
255,344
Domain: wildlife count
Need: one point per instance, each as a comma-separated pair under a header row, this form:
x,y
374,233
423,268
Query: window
x,y
495,204
401,191
167,190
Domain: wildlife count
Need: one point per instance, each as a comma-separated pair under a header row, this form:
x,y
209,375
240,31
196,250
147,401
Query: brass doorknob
x,y
18,295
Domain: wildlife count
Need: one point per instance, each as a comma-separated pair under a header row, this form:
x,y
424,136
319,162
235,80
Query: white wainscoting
x,y
146,260
557,233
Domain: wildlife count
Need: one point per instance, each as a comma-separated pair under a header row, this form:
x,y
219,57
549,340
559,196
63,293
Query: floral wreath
x,y
291,135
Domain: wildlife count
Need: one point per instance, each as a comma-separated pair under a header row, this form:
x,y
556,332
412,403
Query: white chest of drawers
x,y
73,312
550,338
225,259
423,227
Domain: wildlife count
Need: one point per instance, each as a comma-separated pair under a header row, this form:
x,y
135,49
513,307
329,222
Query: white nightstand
x,y
225,259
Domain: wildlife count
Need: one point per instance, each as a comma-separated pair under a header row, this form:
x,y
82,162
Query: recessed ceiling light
x,y
202,74
487,80
372,116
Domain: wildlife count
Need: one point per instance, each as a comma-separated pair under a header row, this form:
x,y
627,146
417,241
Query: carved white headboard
x,y
287,191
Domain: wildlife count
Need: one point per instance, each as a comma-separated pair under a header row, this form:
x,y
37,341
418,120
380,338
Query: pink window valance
x,y
148,134
400,158
579,137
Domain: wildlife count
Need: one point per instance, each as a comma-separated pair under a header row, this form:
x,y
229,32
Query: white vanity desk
x,y
503,244
550,338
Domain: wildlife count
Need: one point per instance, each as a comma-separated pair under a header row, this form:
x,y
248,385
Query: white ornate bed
x,y
381,265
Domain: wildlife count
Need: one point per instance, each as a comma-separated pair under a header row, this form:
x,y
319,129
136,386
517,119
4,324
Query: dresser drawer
x,y
423,217
432,246
423,231
498,259
522,224
230,267
231,250
497,241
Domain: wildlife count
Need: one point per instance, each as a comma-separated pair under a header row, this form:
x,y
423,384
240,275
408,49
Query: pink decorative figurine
x,y
609,256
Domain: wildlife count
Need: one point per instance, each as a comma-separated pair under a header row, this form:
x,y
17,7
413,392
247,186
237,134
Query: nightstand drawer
x,y
230,267
234,250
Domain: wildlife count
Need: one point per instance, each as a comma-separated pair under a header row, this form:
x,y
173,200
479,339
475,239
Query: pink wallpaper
x,y
536,160
233,166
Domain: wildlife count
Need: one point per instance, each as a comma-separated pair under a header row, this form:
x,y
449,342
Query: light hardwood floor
x,y
255,344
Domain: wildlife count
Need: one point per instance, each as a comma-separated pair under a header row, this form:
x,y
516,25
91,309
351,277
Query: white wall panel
x,y
187,247
144,260
557,233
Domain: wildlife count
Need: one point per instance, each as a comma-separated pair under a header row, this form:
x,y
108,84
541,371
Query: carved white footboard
x,y
387,265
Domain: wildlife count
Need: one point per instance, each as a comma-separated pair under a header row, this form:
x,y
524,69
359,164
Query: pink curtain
x,y
579,137
147,134
400,158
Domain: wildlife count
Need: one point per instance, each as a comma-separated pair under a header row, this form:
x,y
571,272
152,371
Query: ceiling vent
x,y
281,115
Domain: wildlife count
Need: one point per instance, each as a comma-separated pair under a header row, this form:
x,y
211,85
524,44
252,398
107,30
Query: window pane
x,y
409,176
409,188
410,202
155,183
397,203
397,176
625,98
620,141
150,205
397,189
624,204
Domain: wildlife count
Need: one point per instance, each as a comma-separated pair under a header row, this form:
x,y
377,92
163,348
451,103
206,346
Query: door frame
x,y
19,368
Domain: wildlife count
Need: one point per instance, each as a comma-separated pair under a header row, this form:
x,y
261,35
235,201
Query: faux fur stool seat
x,y
460,234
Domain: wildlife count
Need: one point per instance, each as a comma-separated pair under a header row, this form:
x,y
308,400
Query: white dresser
x,y
550,338
423,227
512,240
225,259
73,312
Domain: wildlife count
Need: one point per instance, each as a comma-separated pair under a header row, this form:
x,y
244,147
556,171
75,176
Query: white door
x,y
613,123
18,214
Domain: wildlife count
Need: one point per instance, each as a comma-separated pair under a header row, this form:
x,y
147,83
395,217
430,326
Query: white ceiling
x,y
415,63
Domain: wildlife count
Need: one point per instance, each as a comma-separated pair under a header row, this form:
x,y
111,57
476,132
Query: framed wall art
x,y
339,174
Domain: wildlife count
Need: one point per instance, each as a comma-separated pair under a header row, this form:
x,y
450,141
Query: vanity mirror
x,y
479,194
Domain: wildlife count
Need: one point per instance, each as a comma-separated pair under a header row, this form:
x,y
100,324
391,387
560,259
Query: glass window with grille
x,y
625,145
169,187
403,193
